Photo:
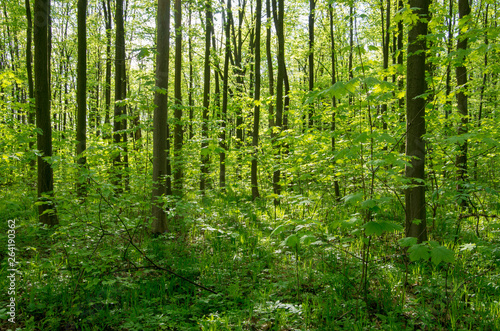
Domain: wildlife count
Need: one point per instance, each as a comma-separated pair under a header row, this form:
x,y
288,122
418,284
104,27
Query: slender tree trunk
x,y
483,86
191,78
46,209
401,101
312,9
81,127
120,123
449,43
334,100
178,173
270,69
205,157
278,14
386,23
256,111
29,69
225,88
462,102
161,181
107,86
415,124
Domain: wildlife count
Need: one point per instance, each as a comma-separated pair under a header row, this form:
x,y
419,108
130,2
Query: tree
x,y
415,124
278,15
334,99
120,121
46,209
178,132
81,128
312,8
462,104
161,180
29,69
107,86
205,158
256,114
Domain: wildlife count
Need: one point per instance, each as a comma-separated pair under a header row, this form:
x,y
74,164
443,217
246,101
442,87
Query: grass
x,y
91,272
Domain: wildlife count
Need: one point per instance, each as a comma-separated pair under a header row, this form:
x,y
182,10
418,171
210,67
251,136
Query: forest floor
x,y
232,264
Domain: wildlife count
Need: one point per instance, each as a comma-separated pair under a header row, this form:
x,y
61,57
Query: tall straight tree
x,y
225,92
312,9
205,157
161,182
415,124
29,69
462,104
81,126
178,173
278,16
107,86
45,184
334,99
256,110
120,122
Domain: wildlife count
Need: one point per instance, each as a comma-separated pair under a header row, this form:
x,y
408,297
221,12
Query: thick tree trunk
x,y
81,127
46,210
415,124
161,181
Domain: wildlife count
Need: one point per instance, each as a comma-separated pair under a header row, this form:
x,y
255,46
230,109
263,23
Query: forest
x,y
249,165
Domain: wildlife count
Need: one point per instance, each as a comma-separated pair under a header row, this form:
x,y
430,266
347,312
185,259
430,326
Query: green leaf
x,y
442,253
292,241
278,230
408,241
379,227
419,252
353,198
306,240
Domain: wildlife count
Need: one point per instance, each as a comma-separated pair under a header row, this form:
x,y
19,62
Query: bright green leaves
x,y
428,249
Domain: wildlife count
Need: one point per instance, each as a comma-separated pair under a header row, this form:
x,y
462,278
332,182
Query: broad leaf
x,y
442,253
419,252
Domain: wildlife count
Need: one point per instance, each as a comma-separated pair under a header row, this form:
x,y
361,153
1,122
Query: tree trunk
x,y
29,69
205,157
278,15
256,111
415,124
120,122
178,165
462,103
161,182
334,100
225,88
312,8
107,87
46,210
81,127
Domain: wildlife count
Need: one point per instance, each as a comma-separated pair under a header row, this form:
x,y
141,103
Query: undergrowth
x,y
233,264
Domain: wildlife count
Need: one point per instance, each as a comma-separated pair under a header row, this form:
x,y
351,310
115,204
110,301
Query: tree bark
x,y
178,134
161,181
29,69
462,102
256,111
81,127
415,124
46,210
205,157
